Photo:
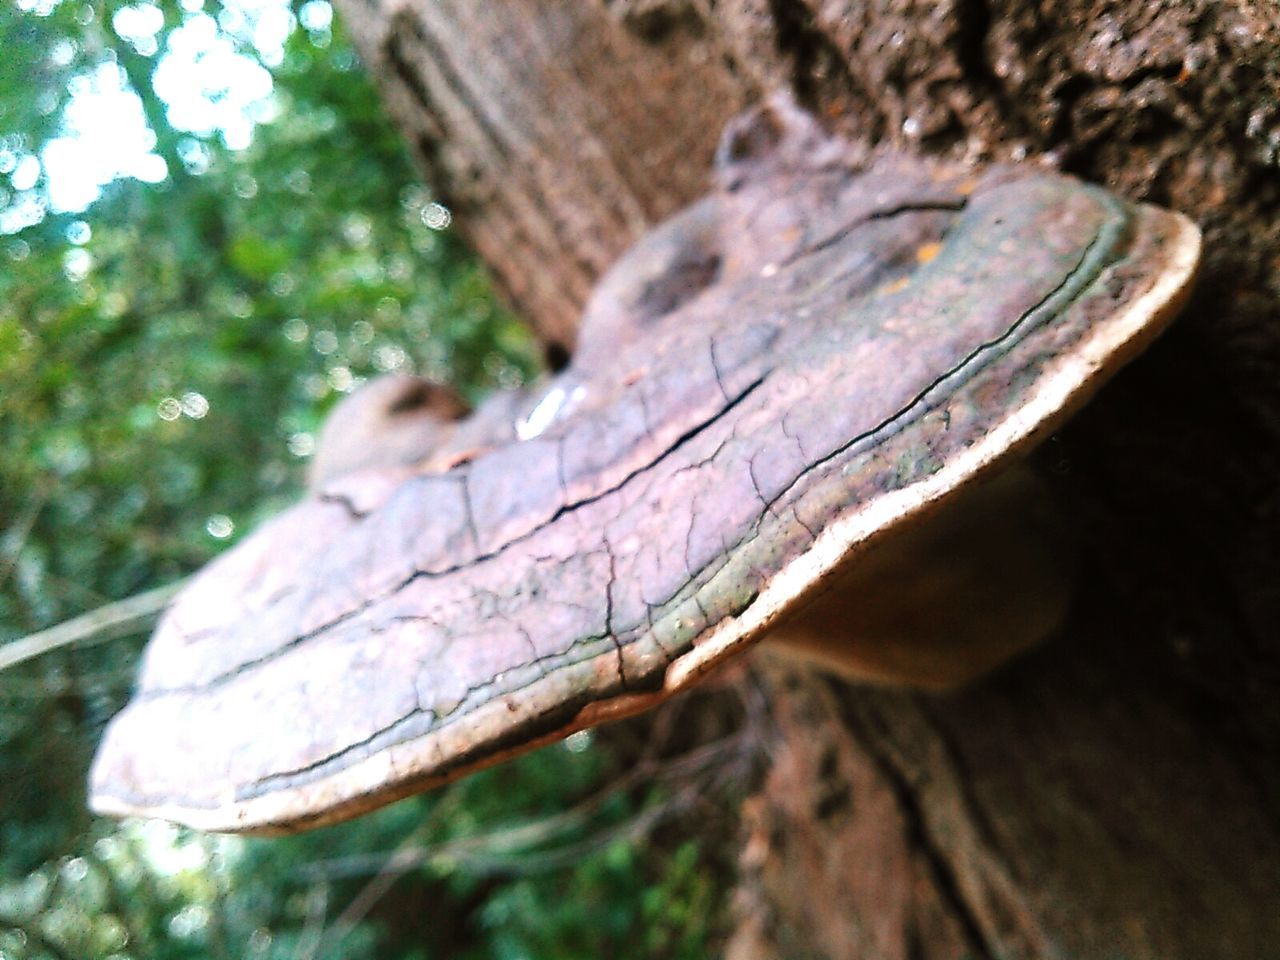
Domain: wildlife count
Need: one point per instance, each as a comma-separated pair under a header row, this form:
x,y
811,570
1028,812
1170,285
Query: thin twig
x,y
630,830
486,862
491,845
17,534
509,850
377,888
313,929
97,626
373,891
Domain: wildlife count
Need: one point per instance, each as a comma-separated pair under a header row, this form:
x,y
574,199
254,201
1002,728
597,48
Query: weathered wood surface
x,y
865,345
560,129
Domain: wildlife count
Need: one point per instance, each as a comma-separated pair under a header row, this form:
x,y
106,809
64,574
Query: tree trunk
x,y
1116,793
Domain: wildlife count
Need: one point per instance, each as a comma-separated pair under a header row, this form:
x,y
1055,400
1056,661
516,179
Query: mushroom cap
x,y
867,345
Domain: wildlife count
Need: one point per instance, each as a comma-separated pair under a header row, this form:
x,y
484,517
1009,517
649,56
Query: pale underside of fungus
x,y
806,362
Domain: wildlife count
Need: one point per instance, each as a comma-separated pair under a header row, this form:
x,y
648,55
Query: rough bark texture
x,y
1115,793
556,133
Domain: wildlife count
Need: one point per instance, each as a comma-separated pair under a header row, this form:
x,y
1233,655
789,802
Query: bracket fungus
x,y
777,389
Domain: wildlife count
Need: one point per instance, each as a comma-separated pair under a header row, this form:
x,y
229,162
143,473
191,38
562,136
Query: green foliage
x,y
165,359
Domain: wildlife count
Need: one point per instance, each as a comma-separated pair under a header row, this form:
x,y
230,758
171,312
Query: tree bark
x,y
1116,793
557,135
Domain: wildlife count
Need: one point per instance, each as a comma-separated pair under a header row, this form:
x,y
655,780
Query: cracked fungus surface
x,y
859,336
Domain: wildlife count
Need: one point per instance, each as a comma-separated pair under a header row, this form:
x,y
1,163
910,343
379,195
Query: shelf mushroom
x,y
803,376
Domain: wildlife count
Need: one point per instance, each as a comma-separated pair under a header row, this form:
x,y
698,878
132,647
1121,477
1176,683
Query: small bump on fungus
x,y
391,422
789,402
